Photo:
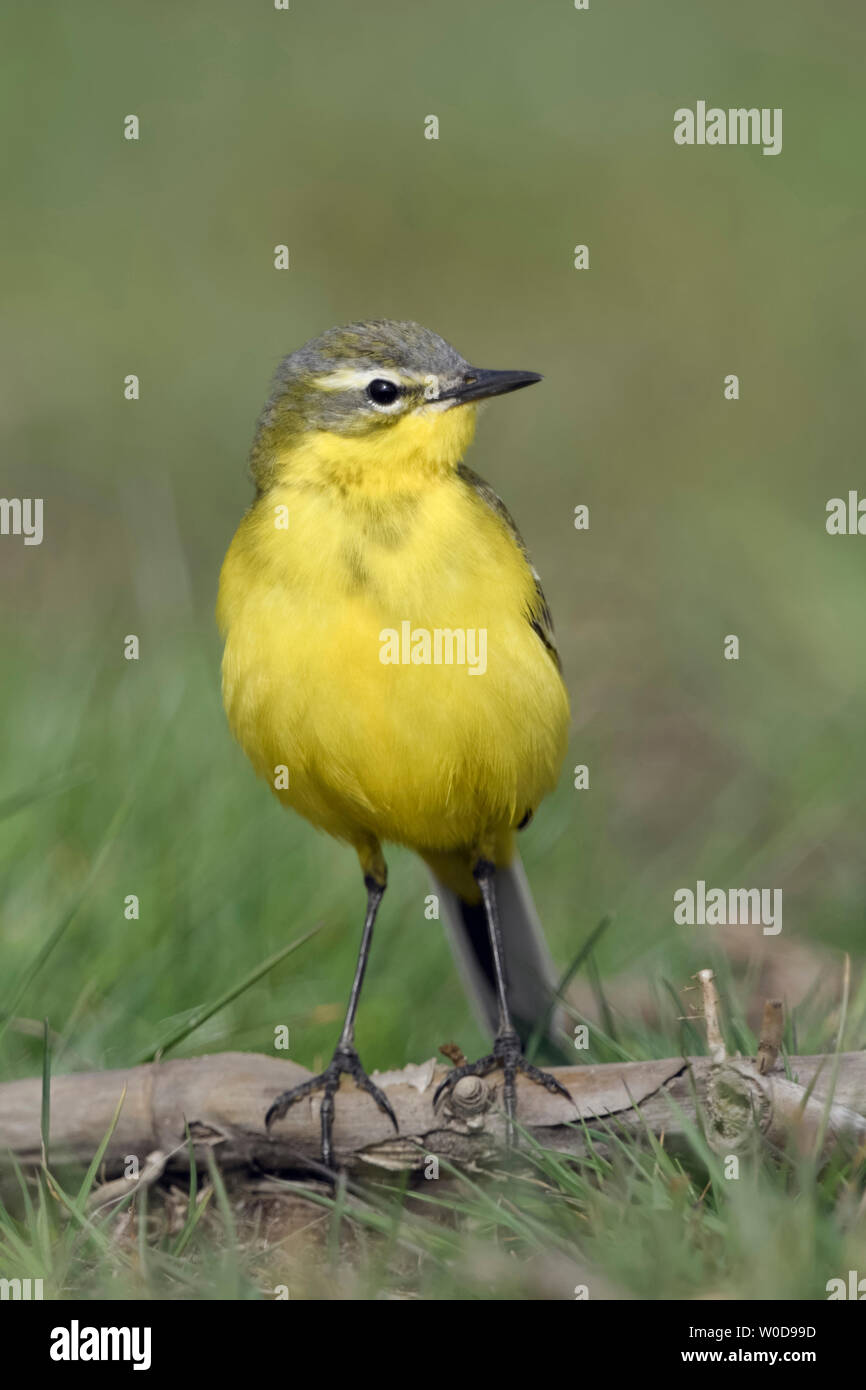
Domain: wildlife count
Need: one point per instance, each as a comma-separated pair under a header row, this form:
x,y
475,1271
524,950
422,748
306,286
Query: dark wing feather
x,y
538,614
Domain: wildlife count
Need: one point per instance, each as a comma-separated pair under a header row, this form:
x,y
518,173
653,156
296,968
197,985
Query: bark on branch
x,y
223,1099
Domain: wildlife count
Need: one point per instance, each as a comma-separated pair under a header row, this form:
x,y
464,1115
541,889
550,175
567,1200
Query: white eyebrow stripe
x,y
352,378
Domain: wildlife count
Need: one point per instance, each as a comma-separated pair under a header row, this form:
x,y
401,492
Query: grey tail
x,y
531,974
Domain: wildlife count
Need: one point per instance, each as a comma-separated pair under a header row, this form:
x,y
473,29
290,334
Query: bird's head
x,y
372,401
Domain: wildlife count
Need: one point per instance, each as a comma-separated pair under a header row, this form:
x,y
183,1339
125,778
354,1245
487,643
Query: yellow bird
x,y
389,663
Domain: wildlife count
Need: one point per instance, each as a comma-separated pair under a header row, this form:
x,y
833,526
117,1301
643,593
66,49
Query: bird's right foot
x,y
345,1062
507,1056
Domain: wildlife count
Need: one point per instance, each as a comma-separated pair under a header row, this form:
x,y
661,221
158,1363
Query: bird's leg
x,y
507,1051
345,1060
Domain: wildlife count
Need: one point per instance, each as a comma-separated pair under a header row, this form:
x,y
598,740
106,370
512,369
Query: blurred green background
x,y
707,517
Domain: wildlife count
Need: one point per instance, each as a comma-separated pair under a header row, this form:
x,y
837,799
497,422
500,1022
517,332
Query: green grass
x,y
626,1221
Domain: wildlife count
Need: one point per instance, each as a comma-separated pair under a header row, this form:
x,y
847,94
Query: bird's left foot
x,y
345,1062
507,1055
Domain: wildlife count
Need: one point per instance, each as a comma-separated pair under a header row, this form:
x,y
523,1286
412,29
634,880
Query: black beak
x,y
478,383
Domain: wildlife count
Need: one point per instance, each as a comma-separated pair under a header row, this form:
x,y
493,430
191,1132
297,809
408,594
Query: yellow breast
x,y
378,649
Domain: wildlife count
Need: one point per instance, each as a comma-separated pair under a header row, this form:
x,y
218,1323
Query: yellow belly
x,y
414,752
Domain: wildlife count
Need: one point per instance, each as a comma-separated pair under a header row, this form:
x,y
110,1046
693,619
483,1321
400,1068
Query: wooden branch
x,y
223,1098
745,1106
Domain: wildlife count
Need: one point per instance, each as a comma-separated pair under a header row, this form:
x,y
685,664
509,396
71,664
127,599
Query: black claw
x,y
508,1055
278,1108
379,1097
345,1061
544,1078
479,1068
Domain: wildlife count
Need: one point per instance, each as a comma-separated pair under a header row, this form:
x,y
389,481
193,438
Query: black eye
x,y
383,392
